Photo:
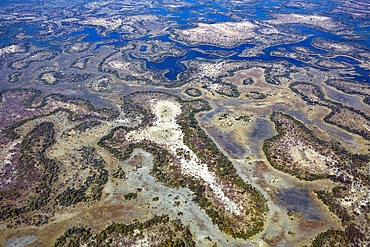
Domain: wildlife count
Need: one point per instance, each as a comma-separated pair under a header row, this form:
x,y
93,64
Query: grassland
x,y
131,70
77,47
156,50
317,21
137,25
37,56
336,48
158,231
231,34
351,87
343,116
31,178
157,170
70,172
57,77
191,160
323,63
297,150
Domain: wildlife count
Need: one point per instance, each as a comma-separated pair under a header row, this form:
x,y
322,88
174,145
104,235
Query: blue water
x,y
93,36
14,29
175,66
260,14
211,13
185,16
346,60
143,48
176,62
358,30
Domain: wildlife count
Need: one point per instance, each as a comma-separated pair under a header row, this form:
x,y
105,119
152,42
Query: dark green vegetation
x,y
119,173
105,113
27,101
158,231
345,117
269,78
355,230
45,105
244,118
91,189
33,186
278,151
130,196
352,87
367,100
223,116
14,77
56,77
37,56
223,88
167,171
37,173
82,127
155,199
350,237
80,63
274,73
248,81
256,95
57,46
74,237
352,172
229,90
193,92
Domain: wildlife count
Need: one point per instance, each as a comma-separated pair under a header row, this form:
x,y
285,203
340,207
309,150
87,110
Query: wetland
x,y
184,123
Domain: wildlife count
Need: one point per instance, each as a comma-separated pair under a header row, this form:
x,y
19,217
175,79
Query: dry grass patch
x,y
323,22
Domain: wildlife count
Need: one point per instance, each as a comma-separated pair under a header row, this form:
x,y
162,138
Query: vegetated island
x,y
298,151
184,156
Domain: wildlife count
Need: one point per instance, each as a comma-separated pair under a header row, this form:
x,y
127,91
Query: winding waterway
x,y
212,13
